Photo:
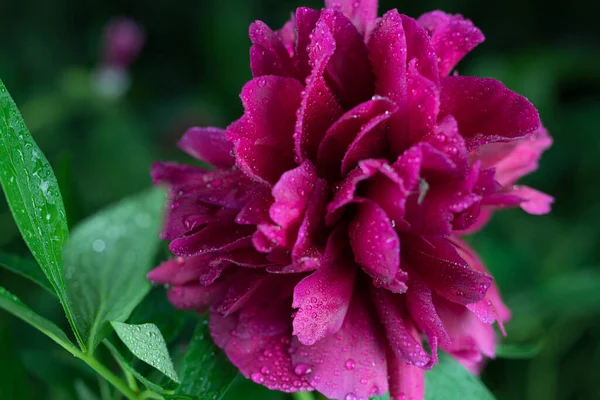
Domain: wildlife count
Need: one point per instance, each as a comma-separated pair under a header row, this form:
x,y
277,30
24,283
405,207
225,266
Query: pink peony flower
x,y
123,40
326,243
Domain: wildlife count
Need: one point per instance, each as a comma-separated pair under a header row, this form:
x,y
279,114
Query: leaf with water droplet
x,y
32,193
147,343
106,261
206,373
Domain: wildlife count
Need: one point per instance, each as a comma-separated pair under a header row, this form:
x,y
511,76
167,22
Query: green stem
x,y
109,376
303,396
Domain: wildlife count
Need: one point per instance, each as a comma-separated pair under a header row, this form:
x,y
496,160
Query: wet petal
x,y
351,362
312,233
438,263
353,85
362,13
406,381
452,37
323,298
209,145
390,309
306,20
270,56
487,111
375,243
212,238
193,296
362,118
319,107
263,137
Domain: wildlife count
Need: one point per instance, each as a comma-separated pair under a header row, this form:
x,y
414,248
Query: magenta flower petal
x,y
419,303
269,43
193,296
212,238
264,146
306,20
360,120
240,290
180,271
353,85
264,358
351,362
406,381
361,12
209,145
322,298
399,335
312,233
470,338
439,264
319,107
534,201
486,111
375,243
452,37
291,195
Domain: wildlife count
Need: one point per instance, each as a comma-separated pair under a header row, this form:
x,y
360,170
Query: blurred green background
x,y
190,71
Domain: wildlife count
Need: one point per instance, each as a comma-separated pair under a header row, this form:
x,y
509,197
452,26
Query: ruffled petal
x,y
452,37
209,145
353,85
351,362
487,111
375,243
306,20
213,238
195,297
534,202
390,309
323,298
319,107
269,55
263,137
406,381
362,13
291,195
438,263
361,119
312,233
180,271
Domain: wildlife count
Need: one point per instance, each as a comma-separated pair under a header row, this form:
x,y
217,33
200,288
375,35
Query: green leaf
x,y
26,268
32,194
31,190
126,365
382,397
449,380
106,260
519,351
147,343
206,372
14,306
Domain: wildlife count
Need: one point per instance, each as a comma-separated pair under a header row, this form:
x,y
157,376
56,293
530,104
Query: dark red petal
x,y
269,43
406,381
319,107
353,84
362,118
312,233
351,362
263,137
452,37
486,111
361,12
375,243
214,237
209,145
438,263
323,298
306,20
390,309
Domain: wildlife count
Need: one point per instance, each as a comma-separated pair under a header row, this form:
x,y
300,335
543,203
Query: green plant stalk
x,y
303,396
107,374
